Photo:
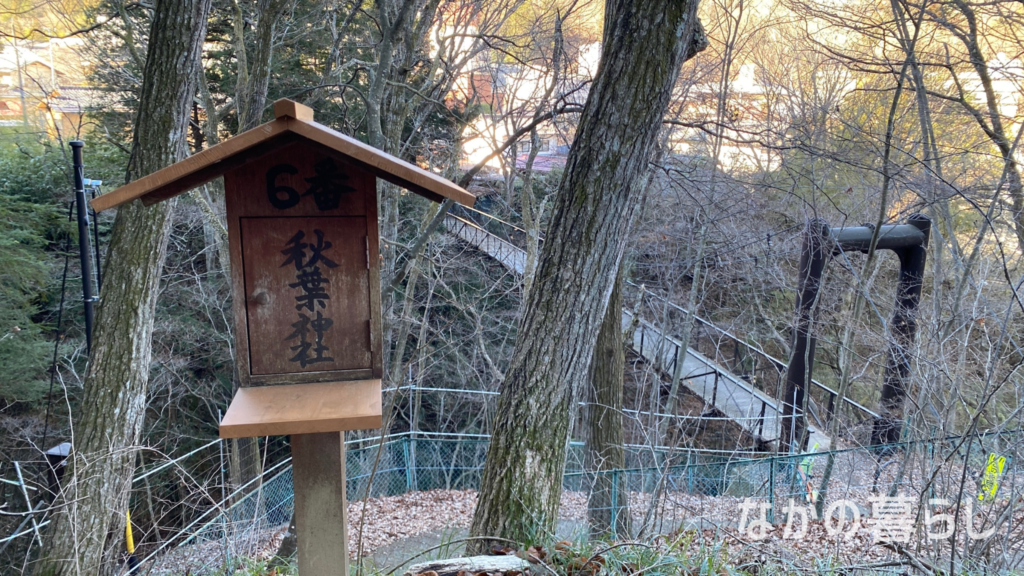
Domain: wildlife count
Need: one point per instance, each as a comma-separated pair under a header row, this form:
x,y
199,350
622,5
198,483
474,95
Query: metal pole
x,y
84,253
615,503
96,239
408,465
21,82
816,251
689,474
791,448
902,333
223,498
831,408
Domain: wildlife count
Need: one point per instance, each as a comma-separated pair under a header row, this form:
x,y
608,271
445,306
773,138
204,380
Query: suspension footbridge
x,y
702,368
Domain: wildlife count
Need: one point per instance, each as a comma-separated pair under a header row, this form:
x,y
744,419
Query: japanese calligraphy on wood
x,y
302,224
301,210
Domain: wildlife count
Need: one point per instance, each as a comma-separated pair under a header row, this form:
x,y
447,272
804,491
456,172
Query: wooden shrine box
x,y
302,231
301,205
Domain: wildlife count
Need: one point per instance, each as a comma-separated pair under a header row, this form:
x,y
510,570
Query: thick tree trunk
x,y
95,492
608,503
592,211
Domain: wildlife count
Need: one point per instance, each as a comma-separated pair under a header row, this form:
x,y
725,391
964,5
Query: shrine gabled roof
x,y
293,122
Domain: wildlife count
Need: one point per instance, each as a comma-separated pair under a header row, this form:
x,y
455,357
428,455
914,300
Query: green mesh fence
x,y
665,489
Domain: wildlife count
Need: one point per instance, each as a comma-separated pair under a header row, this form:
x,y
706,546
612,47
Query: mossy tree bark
x,y
608,503
591,213
107,430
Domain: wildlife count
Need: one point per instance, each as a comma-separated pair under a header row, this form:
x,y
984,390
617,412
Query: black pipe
x,y
890,237
910,243
816,251
902,333
84,253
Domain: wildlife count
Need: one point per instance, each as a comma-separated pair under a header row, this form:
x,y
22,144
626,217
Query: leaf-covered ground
x,y
392,519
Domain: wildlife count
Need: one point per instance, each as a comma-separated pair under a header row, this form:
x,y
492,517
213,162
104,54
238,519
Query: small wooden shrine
x,y
301,206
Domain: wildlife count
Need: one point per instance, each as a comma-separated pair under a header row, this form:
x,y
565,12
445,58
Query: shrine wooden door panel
x,y
299,319
307,298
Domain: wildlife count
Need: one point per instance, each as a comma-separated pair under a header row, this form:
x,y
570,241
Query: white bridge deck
x,y
750,408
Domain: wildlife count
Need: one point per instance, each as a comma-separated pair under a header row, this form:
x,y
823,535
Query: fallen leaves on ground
x,y
393,518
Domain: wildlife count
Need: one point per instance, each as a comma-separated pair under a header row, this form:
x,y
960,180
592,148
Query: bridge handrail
x,y
757,350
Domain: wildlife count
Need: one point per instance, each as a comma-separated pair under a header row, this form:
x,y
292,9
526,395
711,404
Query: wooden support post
x,y
318,462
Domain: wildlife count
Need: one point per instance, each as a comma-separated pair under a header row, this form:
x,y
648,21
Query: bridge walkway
x,y
753,410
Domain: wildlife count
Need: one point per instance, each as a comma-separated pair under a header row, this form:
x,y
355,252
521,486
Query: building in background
x,y
44,87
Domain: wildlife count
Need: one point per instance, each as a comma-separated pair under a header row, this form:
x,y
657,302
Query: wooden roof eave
x,y
204,166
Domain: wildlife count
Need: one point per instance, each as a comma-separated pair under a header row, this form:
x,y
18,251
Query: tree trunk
x,y
593,209
95,493
251,94
608,504
404,32
531,222
670,423
250,101
288,548
990,120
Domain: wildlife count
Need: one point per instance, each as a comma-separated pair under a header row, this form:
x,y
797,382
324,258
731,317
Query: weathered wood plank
x,y
292,118
303,409
292,109
269,201
178,171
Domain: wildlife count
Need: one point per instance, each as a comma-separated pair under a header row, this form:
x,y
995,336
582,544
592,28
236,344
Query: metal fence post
x,y
771,490
413,460
224,496
615,501
689,474
408,465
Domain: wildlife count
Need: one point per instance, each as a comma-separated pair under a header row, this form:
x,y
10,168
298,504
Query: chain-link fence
x,y
665,489
167,493
189,521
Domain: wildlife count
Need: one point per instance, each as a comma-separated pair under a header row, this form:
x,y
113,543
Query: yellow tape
x,y
990,479
128,540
